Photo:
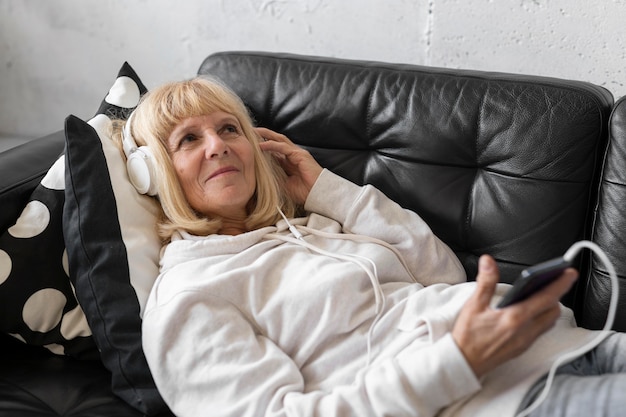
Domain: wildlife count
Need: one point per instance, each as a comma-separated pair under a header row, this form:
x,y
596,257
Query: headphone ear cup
x,y
141,172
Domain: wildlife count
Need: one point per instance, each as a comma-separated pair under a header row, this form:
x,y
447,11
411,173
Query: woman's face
x,y
214,163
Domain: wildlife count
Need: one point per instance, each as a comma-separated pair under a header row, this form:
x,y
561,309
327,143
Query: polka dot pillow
x,y
37,300
87,235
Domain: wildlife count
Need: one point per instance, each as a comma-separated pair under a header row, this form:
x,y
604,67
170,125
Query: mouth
x,y
222,171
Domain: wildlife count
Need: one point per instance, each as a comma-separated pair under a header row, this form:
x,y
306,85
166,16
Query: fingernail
x,y
485,264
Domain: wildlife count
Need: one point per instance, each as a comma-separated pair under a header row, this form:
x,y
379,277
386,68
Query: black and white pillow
x,y
87,235
37,301
112,244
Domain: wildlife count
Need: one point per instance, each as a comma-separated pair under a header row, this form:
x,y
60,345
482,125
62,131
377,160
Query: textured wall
x,y
59,57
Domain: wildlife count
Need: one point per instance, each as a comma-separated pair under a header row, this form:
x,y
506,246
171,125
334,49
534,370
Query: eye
x,y
186,140
230,131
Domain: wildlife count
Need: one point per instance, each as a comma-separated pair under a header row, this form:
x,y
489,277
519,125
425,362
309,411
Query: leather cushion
x,y
495,163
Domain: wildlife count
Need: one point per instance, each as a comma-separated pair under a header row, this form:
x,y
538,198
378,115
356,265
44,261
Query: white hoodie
x,y
264,324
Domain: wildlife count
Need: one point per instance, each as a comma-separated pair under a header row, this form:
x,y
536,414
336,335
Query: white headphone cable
x,y
569,255
379,295
568,356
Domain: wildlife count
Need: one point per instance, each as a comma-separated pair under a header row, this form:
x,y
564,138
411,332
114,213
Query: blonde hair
x,y
155,118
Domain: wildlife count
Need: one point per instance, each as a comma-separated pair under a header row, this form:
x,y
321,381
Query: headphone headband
x,y
128,142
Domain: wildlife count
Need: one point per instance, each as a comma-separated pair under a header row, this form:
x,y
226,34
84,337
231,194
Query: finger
x,y
277,147
547,319
564,283
269,134
550,295
541,322
486,280
288,151
264,132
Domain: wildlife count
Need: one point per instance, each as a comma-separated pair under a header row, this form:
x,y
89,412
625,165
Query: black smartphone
x,y
533,279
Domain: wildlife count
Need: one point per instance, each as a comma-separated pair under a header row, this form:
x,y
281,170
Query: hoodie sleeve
x,y
207,358
367,211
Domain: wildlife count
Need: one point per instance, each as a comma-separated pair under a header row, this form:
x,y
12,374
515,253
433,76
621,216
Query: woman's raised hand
x,y
489,337
301,168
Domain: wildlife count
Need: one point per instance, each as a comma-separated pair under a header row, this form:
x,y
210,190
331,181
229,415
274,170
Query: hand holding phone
x,y
533,279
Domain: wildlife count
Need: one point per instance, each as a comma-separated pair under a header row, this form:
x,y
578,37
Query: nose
x,y
215,147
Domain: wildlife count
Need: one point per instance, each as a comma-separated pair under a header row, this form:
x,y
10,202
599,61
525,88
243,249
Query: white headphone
x,y
139,163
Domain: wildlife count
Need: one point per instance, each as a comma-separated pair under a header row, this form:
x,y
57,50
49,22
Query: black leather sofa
x,y
513,165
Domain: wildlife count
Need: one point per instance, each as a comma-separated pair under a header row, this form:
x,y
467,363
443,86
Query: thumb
x,y
486,280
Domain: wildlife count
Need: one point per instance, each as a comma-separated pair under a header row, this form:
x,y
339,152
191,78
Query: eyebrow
x,y
228,118
231,119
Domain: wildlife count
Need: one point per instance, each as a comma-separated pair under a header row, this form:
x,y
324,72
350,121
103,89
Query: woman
x,y
287,290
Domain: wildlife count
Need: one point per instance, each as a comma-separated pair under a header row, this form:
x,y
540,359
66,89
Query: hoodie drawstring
x,y
355,259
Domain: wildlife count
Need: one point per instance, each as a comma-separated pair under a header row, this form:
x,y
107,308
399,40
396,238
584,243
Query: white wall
x,y
59,57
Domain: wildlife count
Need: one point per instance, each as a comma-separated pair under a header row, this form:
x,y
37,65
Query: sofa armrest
x,y
609,232
21,169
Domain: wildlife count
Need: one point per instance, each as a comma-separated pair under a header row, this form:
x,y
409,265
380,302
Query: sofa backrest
x,y
496,163
609,231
